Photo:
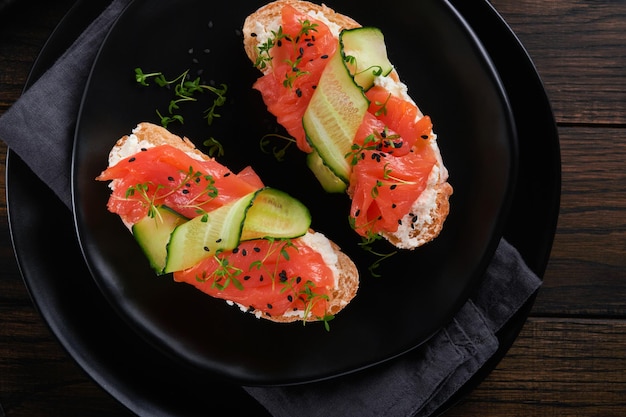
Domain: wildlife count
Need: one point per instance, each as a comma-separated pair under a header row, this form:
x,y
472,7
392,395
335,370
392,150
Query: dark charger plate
x,y
418,291
147,382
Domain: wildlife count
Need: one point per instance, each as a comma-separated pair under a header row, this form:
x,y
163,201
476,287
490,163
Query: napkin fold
x,y
39,128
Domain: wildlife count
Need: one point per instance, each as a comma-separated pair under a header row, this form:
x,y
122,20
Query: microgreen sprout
x,y
224,275
367,244
184,90
383,106
372,142
278,38
148,193
377,70
279,153
215,148
308,296
281,245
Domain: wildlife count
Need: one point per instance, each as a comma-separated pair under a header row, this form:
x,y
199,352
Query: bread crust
x,y
339,297
150,135
435,215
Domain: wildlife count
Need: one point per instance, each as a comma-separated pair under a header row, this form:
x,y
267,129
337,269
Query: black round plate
x,y
418,291
144,380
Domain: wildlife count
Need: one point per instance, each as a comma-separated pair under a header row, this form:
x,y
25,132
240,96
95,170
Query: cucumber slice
x,y
329,181
334,115
365,52
276,214
204,235
264,213
153,234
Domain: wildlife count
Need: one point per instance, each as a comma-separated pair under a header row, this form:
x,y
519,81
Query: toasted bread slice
x,y
147,135
432,206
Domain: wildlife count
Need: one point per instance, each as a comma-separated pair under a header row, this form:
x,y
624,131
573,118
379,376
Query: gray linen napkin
x,y
39,127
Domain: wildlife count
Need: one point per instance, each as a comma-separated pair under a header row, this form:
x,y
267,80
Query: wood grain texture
x,y
586,274
579,50
557,367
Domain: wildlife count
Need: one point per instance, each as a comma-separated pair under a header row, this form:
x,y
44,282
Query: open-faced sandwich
x,y
330,84
225,233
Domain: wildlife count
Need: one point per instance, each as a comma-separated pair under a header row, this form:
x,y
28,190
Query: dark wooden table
x,y
570,357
